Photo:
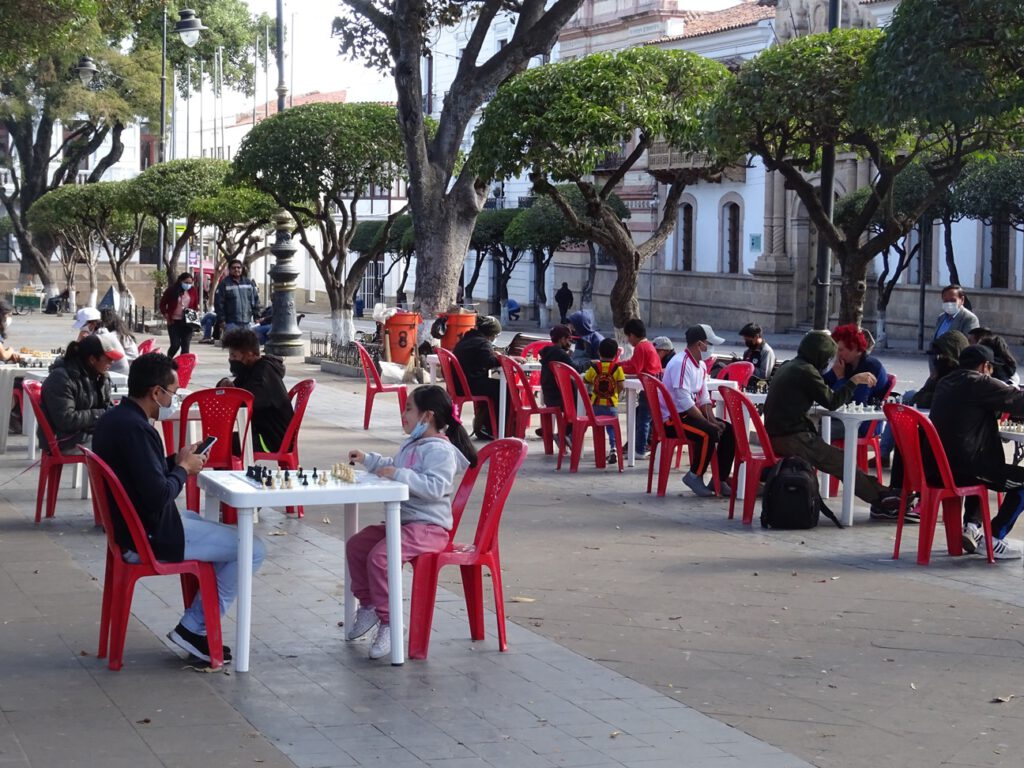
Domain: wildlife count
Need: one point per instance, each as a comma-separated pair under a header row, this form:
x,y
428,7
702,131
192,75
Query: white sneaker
x,y
697,485
1000,548
381,645
366,619
973,539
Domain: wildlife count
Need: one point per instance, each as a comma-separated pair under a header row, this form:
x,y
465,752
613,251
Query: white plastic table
x,y
234,489
499,374
851,422
7,376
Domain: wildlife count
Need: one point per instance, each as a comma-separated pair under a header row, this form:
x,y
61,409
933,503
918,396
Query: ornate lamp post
x,y
285,337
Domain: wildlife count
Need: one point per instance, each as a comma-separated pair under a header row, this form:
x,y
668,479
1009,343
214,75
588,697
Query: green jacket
x,y
798,385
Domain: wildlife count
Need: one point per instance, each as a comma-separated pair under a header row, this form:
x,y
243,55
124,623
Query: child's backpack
x,y
604,381
791,499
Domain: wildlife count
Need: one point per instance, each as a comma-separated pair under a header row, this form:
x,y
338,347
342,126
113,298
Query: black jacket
x,y
548,386
126,440
272,408
965,411
73,399
475,354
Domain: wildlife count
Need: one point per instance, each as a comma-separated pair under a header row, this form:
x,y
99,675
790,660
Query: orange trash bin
x,y
455,327
400,335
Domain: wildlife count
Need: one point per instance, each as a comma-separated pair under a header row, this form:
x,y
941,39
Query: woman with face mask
x,y
180,298
438,448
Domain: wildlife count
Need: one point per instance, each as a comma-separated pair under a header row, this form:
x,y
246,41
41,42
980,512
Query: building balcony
x,y
662,159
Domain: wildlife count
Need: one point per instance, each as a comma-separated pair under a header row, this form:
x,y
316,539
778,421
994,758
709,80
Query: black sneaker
x,y
195,645
887,508
613,458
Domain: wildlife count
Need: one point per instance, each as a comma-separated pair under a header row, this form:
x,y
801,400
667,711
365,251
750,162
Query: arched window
x,y
730,234
686,235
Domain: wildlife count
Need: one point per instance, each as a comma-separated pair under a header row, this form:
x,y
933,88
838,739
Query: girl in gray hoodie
x,y
437,450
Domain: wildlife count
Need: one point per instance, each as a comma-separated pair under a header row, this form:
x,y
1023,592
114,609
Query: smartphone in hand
x,y
206,445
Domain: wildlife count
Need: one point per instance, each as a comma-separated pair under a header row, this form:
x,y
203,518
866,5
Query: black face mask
x,y
237,367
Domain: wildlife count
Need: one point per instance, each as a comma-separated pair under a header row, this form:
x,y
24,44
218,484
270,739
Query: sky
x,y
315,64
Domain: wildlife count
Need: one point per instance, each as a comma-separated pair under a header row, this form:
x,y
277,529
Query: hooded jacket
x,y
272,408
946,349
475,354
427,465
73,399
798,385
589,338
965,411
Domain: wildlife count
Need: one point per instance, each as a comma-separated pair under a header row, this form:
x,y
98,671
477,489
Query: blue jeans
x,y
608,410
209,320
215,543
262,333
642,429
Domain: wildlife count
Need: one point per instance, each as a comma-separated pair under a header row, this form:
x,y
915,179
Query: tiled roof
x,y
316,97
742,15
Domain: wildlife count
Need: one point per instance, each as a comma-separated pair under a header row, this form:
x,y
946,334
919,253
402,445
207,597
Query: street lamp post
x,y
282,89
285,337
189,27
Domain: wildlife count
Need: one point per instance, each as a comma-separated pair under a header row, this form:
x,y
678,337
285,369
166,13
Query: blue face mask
x,y
418,430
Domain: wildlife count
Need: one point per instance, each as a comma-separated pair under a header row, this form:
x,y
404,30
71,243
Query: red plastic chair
x,y
218,411
871,441
288,456
571,386
740,409
502,459
52,460
534,348
149,345
740,372
524,405
119,580
455,383
910,428
374,386
186,366
662,446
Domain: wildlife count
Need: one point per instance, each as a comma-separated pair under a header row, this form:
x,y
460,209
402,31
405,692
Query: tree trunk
x,y
624,302
442,241
947,235
90,267
587,292
881,333
853,289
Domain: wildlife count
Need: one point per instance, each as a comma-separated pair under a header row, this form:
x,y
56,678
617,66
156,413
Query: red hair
x,y
851,336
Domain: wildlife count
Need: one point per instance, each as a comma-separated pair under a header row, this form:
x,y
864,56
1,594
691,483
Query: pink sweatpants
x,y
367,556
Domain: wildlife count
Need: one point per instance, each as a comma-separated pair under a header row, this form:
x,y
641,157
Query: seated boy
x,y
604,379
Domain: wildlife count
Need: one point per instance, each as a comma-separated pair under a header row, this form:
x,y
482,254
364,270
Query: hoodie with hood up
x,y
798,385
272,408
586,351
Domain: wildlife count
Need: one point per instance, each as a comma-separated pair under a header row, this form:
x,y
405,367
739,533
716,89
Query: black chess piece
x,y
314,473
305,481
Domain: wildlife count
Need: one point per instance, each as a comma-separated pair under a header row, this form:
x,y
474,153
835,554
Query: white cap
x,y
85,315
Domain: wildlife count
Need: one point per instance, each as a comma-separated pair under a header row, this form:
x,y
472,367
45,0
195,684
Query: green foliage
x,y
37,25
172,189
565,118
491,224
365,236
62,211
362,39
234,206
790,99
322,154
912,187
992,190
949,61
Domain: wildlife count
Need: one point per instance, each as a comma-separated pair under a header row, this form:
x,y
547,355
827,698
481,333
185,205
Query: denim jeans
x,y
215,543
608,410
642,428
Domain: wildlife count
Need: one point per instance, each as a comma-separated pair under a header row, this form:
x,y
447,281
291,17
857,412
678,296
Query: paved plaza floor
x,y
643,632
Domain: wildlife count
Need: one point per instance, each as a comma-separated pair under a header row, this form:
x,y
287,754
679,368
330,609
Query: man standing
x,y
797,386
955,316
757,351
263,376
237,301
127,441
563,298
686,378
965,411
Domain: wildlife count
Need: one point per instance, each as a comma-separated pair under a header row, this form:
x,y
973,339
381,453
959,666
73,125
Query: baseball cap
x,y
560,332
102,343
750,330
663,343
702,333
974,356
85,315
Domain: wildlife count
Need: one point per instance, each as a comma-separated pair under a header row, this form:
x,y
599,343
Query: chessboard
x,y
269,479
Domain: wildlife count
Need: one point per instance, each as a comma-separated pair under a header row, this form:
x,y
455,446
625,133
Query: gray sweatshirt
x,y
428,466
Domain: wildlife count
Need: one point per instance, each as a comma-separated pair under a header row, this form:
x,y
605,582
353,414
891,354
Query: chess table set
x,y
265,478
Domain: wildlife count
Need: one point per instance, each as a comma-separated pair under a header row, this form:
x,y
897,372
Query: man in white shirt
x,y
686,377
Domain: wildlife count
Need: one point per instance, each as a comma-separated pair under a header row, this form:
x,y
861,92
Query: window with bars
x,y
996,254
731,237
686,237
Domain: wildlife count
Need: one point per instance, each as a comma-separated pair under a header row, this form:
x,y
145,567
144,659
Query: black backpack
x,y
791,499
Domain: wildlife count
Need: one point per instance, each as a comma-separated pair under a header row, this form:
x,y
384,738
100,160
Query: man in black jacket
x,y
237,300
965,411
475,353
263,376
126,440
